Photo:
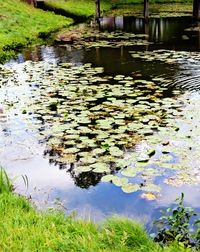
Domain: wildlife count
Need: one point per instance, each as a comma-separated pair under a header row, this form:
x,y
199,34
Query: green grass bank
x,y
79,9
21,25
23,228
124,2
86,8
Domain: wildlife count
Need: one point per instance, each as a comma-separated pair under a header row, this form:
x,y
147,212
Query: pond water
x,y
108,127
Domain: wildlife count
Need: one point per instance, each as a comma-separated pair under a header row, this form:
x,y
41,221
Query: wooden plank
x,y
98,11
196,9
146,9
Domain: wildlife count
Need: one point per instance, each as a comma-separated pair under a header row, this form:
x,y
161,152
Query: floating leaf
x,y
118,181
107,178
115,151
130,172
100,167
80,169
130,188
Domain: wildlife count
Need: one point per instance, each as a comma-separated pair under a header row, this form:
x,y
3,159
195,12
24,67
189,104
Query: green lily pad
x,y
130,188
130,172
100,167
118,181
107,178
115,151
80,169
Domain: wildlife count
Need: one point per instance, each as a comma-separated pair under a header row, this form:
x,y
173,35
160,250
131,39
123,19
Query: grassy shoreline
x,y
23,228
21,25
78,9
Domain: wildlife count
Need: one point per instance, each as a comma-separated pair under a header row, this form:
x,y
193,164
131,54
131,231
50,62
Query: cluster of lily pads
x,y
114,39
166,56
121,128
89,37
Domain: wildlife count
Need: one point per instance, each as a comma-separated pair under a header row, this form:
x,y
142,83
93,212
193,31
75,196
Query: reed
x,y
5,183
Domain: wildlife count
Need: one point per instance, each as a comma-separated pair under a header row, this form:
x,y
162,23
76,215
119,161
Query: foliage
x,y
22,228
177,224
85,8
121,2
21,24
5,184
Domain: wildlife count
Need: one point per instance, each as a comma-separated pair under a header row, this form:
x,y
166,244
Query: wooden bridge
x,y
196,9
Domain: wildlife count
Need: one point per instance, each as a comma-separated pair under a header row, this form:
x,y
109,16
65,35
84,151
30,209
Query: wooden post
x,y
196,9
146,9
98,11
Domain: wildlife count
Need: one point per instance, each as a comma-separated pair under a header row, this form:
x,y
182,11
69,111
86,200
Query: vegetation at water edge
x,y
23,228
21,25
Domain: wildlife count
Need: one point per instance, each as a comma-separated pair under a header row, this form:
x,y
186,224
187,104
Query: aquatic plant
x,y
125,131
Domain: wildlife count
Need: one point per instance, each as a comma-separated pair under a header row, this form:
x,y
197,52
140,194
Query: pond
x,y
108,125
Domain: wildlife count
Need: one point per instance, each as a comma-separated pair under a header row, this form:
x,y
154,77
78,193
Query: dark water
x,y
86,194
170,32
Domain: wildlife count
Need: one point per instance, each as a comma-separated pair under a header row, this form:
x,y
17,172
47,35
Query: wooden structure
x,y
196,9
146,9
98,9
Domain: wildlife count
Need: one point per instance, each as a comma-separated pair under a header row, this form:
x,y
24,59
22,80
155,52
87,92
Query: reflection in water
x,y
22,154
50,54
179,33
86,179
160,30
112,23
82,180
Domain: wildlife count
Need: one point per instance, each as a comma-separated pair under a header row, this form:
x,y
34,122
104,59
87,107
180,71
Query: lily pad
x,y
107,178
130,188
115,151
81,169
100,167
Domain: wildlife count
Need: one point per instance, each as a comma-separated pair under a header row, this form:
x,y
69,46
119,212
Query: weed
x,y
5,184
23,228
177,224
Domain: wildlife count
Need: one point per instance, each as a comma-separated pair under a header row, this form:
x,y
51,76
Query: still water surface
x,y
23,154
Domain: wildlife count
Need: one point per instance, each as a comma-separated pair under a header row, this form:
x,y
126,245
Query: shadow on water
x,y
84,192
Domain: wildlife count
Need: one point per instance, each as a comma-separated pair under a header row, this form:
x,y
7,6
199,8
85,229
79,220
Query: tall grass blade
x,y
5,183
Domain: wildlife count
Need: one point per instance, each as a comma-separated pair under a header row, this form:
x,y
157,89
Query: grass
x,y
86,8
156,10
23,228
5,184
21,25
77,8
121,2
